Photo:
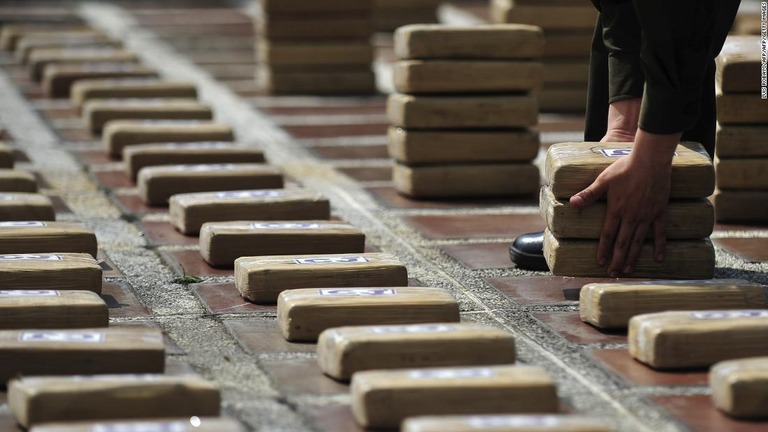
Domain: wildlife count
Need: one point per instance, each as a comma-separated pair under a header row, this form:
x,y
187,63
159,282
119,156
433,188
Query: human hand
x,y
623,117
637,189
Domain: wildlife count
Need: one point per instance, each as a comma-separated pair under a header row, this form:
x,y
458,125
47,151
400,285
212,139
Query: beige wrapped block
x,y
344,351
158,183
89,89
7,157
303,314
738,65
683,259
462,112
562,98
740,387
89,351
566,72
314,55
58,78
263,278
686,219
383,399
22,206
26,44
611,305
739,109
20,237
697,339
51,309
12,33
12,180
97,113
742,174
741,206
421,147
40,58
504,423
207,424
741,141
359,80
190,211
212,152
302,6
554,17
468,180
466,76
322,26
568,44
221,243
486,42
122,133
39,400
571,167
63,271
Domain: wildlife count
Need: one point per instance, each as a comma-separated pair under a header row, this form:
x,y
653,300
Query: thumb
x,y
589,195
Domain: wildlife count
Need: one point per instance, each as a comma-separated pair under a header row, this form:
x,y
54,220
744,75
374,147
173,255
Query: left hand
x,y
637,188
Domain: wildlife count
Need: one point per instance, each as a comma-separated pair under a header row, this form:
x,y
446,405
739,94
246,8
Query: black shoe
x,y
527,251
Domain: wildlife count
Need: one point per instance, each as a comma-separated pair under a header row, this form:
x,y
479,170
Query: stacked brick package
x,y
741,160
315,47
461,115
568,27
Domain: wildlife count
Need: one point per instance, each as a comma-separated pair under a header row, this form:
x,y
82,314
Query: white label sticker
x,y
512,421
141,427
204,167
200,145
451,373
616,152
30,257
332,260
30,293
297,225
358,292
249,194
120,377
8,197
23,224
53,336
436,328
726,314
174,122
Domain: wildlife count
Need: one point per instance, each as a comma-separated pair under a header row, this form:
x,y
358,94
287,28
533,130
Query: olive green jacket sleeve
x,y
660,50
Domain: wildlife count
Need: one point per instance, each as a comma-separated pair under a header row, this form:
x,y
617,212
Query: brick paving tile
x,y
191,263
58,113
42,183
113,179
262,336
619,362
741,227
221,298
122,301
337,418
59,206
334,131
300,377
163,233
352,152
171,348
543,290
748,249
388,196
94,157
570,326
132,203
368,173
475,226
108,268
699,414
480,255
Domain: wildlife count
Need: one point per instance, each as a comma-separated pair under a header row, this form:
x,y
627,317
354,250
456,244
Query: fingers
x,y
592,193
638,239
621,247
607,237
